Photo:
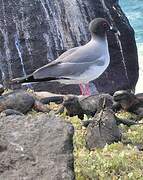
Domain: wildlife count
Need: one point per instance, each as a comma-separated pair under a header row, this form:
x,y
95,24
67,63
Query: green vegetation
x,y
116,161
119,161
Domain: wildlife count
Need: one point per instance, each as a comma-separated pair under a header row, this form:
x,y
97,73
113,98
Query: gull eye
x,y
104,24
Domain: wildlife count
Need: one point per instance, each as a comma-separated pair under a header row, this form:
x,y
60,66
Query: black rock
x,y
34,32
127,122
76,105
55,99
37,148
21,101
129,101
140,96
73,106
102,130
1,89
87,122
125,98
9,112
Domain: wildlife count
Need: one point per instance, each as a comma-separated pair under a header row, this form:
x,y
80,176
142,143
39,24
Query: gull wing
x,y
61,57
65,70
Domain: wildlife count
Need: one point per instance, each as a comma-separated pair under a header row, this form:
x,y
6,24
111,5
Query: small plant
x,y
115,161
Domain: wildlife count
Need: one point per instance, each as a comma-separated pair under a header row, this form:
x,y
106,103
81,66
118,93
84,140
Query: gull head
x,y
99,27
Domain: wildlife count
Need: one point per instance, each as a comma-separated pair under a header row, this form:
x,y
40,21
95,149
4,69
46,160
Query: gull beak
x,y
114,30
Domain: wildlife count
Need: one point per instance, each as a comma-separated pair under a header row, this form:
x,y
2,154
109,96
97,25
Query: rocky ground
x,y
43,136
36,147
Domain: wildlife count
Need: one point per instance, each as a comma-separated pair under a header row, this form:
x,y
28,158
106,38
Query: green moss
x,y
134,134
126,115
116,161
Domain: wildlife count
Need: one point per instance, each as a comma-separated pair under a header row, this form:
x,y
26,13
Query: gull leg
x,y
82,89
85,89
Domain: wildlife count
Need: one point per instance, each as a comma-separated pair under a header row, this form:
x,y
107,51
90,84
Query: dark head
x,y
99,26
125,98
123,95
72,105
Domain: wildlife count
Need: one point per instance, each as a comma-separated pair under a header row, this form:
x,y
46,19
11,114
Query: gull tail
x,y
31,79
26,79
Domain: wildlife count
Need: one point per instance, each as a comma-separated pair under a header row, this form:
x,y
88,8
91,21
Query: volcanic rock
x,y
32,33
129,101
38,148
21,101
103,130
76,105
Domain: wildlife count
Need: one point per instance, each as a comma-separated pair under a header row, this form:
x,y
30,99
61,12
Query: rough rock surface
x,y
1,89
21,101
102,130
129,102
80,105
9,112
35,148
56,99
34,32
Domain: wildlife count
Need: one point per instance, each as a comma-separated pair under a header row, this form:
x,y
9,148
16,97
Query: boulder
x,y
38,147
128,101
21,101
80,105
32,33
102,130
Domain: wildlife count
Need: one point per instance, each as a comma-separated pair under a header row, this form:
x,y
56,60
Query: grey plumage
x,y
80,64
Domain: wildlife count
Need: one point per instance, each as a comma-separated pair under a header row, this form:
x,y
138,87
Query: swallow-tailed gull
x,y
78,65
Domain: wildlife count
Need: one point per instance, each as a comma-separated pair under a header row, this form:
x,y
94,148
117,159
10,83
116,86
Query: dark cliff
x,y
32,33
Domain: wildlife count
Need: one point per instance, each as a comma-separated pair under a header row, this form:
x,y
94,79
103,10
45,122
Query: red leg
x,y
85,89
82,89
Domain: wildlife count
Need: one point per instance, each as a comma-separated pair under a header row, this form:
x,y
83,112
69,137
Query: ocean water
x,y
134,11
